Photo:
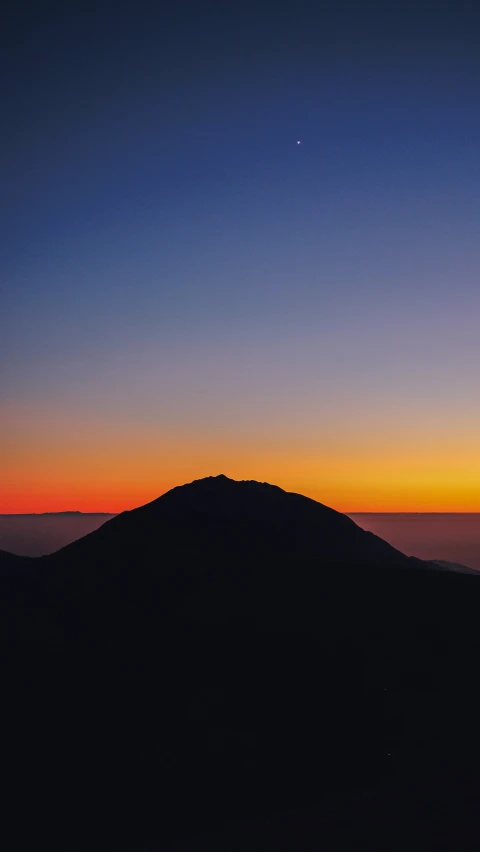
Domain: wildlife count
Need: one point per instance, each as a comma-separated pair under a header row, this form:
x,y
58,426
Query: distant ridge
x,y
44,514
444,565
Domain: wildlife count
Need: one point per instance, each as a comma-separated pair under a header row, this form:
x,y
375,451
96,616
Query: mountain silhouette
x,y
218,517
223,655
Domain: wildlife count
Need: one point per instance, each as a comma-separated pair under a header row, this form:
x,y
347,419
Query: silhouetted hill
x,y
219,517
226,655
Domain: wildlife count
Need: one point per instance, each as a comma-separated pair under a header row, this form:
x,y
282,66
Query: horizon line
x,y
340,511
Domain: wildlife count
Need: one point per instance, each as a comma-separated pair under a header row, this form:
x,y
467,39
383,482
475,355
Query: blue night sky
x,y
184,288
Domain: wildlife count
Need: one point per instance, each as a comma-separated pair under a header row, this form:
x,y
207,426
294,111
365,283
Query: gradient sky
x,y
186,291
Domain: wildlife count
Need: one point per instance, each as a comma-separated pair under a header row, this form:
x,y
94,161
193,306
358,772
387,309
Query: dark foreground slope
x,y
231,662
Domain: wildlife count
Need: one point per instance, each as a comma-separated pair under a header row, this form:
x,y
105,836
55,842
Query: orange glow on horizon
x,y
72,465
348,484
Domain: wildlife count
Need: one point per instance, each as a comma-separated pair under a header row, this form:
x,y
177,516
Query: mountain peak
x,y
221,479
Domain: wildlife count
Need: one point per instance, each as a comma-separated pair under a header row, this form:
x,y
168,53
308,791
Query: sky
x,y
186,291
